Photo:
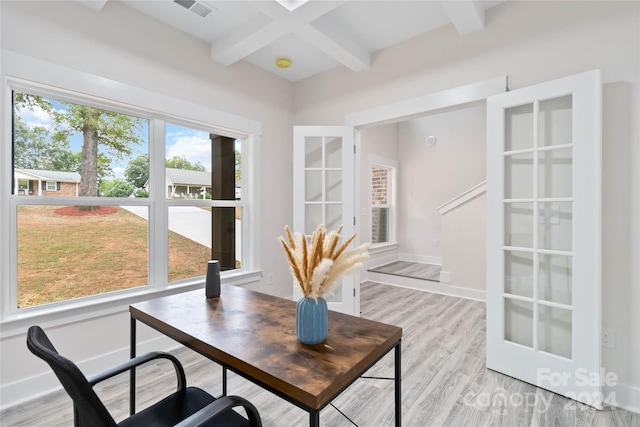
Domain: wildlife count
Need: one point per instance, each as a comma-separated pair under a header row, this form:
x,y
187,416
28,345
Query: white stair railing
x,y
463,198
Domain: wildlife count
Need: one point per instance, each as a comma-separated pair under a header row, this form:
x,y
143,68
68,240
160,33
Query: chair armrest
x,y
140,360
218,407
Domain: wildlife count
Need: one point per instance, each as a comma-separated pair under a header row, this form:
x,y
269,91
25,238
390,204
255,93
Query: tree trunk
x,y
89,165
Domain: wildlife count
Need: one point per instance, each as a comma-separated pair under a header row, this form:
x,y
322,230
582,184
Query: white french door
x,y
544,235
323,193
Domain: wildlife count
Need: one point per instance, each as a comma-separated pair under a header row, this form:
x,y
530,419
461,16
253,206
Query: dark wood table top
x,y
254,333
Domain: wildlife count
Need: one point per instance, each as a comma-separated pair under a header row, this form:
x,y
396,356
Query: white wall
x,y
120,44
464,245
431,175
532,42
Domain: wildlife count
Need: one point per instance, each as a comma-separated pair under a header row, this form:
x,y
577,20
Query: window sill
x,y
117,302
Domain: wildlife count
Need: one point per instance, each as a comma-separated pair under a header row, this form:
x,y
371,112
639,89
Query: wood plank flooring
x,y
444,381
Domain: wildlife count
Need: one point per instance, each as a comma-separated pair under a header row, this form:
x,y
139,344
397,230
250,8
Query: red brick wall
x,y
67,189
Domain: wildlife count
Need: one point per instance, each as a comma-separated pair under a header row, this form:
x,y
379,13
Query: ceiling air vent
x,y
196,7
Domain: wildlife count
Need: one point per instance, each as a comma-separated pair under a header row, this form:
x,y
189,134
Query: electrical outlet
x,y
270,279
608,338
436,242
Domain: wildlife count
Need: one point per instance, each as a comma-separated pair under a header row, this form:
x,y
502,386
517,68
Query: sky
x,y
193,145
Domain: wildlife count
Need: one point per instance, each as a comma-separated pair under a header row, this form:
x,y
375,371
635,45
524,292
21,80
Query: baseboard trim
x,y
43,384
427,286
427,259
624,396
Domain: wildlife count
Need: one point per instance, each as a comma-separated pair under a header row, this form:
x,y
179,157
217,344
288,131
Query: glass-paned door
x,y
323,187
544,243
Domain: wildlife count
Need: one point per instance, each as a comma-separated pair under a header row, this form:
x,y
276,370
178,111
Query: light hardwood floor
x,y
444,381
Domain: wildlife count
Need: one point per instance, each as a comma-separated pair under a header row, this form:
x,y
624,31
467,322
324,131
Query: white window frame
x,y
54,185
22,73
392,189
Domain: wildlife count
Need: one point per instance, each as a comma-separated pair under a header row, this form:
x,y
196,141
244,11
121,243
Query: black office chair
x,y
188,406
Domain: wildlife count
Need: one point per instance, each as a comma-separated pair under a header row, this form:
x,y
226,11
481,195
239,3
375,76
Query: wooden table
x,y
253,335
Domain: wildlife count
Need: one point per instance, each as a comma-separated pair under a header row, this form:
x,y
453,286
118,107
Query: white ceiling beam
x,y
342,49
276,21
466,15
339,47
254,35
95,5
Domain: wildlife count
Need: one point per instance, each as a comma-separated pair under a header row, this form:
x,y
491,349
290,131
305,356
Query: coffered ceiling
x,y
315,35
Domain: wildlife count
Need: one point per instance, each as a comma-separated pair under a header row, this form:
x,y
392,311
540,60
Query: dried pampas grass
x,y
318,264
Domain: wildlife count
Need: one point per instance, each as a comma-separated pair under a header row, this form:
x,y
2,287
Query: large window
x,y
103,201
382,201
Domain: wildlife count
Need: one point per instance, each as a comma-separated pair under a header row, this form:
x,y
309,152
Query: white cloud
x,y
118,172
36,116
195,148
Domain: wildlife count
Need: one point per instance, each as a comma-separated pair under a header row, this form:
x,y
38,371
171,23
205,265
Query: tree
x,y
36,148
117,132
182,163
30,146
116,188
137,171
238,166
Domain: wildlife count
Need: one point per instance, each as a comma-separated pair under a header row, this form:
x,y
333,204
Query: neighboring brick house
x,y
33,182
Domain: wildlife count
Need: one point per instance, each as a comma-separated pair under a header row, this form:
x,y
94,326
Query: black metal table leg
x,y
314,418
224,380
398,378
132,374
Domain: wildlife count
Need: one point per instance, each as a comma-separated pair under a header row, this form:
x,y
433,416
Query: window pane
x,y
518,322
518,224
518,176
333,182
556,121
226,229
555,173
49,137
67,252
379,186
381,204
313,186
379,225
555,227
333,152
202,165
555,278
518,273
313,152
312,218
333,216
189,241
555,330
518,123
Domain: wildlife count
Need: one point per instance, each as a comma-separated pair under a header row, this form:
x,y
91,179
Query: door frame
x,y
406,110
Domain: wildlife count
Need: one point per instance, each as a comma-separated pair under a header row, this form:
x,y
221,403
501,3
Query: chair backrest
x,y
89,410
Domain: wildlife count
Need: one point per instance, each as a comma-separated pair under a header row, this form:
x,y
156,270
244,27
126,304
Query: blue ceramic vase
x,y
312,323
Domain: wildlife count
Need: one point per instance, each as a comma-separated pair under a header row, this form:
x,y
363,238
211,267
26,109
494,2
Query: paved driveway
x,y
192,223
188,221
